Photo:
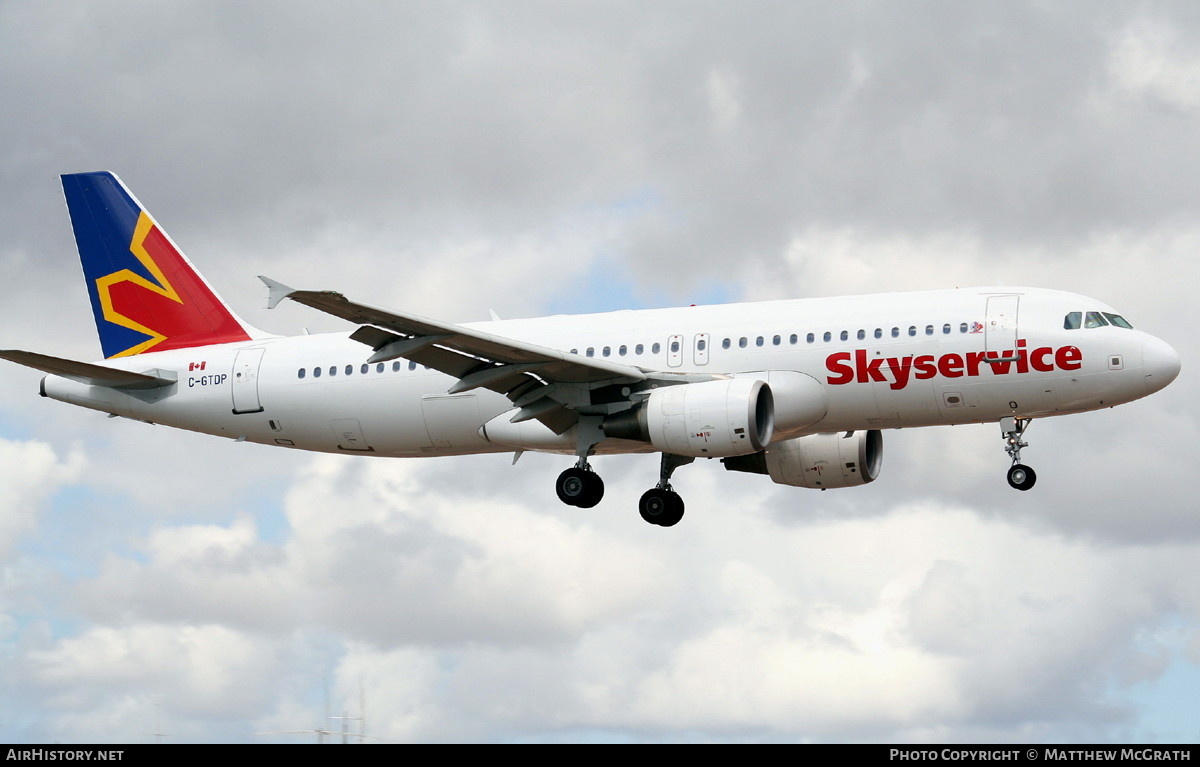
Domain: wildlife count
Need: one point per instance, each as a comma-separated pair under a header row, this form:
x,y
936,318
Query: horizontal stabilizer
x,y
86,372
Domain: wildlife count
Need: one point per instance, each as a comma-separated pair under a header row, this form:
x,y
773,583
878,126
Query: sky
x,y
455,158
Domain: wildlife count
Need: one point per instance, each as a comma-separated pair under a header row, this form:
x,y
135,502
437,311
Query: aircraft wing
x,y
85,372
538,379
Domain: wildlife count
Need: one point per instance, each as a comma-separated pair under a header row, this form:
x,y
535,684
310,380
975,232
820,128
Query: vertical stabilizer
x,y
146,295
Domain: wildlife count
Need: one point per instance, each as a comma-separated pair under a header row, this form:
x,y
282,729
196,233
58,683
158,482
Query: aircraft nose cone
x,y
1160,364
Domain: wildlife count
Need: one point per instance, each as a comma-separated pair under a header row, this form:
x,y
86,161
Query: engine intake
x,y
710,419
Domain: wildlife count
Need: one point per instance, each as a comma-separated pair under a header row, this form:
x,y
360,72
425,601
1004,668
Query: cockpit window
x,y
1094,320
1118,320
1072,320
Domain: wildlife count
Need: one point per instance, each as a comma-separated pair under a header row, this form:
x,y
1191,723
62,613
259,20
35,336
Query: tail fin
x,y
146,295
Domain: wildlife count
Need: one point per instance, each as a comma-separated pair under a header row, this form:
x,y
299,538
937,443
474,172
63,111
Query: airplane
x,y
797,390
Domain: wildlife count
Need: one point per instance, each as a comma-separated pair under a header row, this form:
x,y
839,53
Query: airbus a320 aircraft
x,y
797,390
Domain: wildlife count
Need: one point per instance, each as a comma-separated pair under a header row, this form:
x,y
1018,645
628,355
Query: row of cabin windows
x,y
727,343
363,369
827,336
777,340
623,350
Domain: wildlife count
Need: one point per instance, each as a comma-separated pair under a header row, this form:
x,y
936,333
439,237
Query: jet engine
x,y
711,419
840,459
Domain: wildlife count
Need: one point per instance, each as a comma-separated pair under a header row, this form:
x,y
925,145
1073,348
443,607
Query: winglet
x,y
277,291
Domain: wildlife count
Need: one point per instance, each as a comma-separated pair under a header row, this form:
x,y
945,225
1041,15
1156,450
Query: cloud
x,y
543,622
33,475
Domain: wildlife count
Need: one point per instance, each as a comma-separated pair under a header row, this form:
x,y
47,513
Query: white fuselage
x,y
884,361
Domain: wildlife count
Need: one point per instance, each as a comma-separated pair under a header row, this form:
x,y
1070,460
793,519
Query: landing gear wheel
x,y
661,507
1021,477
579,487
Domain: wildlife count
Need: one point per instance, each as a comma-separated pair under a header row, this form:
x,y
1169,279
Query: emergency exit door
x,y
245,381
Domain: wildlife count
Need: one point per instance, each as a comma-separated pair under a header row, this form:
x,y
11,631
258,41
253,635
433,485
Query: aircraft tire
x,y
661,507
579,487
1021,477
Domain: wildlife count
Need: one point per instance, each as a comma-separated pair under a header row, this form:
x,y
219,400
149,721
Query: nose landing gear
x,y
1020,476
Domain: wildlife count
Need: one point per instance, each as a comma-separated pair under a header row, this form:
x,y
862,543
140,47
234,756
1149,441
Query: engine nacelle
x,y
821,461
710,419
800,400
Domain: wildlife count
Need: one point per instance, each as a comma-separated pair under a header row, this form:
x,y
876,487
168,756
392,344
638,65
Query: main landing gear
x,y
661,505
581,487
1020,476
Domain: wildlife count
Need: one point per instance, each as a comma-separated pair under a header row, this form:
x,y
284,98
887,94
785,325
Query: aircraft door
x,y
452,420
675,351
245,381
700,352
347,432
1000,328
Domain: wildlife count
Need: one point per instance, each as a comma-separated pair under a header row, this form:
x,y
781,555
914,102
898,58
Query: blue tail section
x,y
146,295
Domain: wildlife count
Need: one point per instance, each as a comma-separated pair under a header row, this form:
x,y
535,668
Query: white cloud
x,y
33,473
1152,59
